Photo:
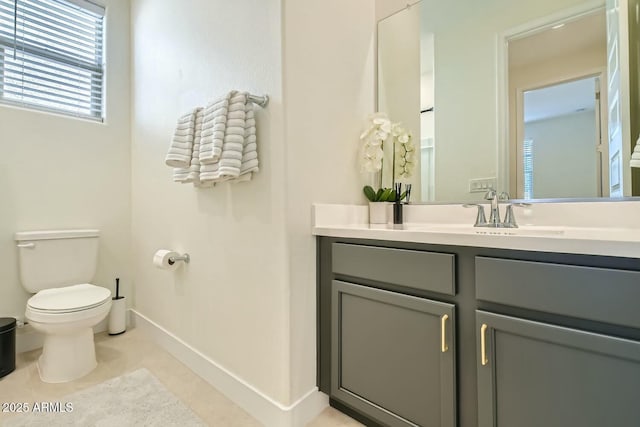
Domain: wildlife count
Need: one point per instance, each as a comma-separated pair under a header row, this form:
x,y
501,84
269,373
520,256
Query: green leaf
x,y
385,195
369,193
379,194
403,195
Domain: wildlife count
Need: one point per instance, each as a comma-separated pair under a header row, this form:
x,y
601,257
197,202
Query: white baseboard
x,y
28,339
266,410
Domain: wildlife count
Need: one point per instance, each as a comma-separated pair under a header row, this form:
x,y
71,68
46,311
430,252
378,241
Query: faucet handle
x,y
510,218
481,219
489,195
504,196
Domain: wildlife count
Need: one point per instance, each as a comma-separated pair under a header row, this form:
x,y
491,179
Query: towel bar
x,y
260,100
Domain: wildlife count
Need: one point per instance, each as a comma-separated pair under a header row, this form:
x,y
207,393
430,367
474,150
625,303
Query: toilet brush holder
x,y
118,316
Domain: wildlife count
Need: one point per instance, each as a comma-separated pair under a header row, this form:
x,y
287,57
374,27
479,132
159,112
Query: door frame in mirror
x,y
504,153
516,183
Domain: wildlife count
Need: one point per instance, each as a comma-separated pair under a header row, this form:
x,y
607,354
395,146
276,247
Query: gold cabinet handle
x,y
483,344
443,334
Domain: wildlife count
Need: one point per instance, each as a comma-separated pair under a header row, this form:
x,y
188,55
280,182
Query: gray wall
x,y
564,158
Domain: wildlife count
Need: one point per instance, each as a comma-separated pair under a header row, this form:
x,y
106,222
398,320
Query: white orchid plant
x,y
373,138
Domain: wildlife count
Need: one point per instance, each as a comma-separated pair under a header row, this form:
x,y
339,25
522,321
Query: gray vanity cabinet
x,y
533,374
532,339
393,355
538,373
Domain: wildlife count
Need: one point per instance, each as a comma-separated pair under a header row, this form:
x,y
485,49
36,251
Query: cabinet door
x,y
534,374
393,356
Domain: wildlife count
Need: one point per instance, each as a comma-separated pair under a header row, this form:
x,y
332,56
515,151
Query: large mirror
x,y
540,99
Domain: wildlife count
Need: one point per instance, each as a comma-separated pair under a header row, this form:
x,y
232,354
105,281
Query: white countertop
x,y
613,230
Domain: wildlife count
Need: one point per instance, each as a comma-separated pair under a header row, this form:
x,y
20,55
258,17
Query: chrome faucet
x,y
494,218
481,219
509,216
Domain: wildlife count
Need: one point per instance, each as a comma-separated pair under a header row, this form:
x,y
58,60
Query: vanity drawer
x,y
599,294
429,271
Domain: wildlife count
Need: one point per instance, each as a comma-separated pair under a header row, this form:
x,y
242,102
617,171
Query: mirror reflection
x,y
538,99
555,110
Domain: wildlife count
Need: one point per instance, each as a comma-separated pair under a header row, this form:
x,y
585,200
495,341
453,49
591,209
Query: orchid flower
x,y
373,138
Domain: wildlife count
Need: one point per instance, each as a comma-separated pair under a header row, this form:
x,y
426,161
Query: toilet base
x,y
67,357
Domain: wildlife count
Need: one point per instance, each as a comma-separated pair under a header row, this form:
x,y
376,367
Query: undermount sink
x,y
522,231
488,231
575,233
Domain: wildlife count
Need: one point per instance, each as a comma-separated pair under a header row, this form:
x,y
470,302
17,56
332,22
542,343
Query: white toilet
x,y
56,266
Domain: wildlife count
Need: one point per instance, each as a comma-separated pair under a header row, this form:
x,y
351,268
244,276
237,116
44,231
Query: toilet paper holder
x,y
186,258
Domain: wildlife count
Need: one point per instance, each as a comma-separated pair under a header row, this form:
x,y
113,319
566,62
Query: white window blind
x,y
51,56
428,168
527,153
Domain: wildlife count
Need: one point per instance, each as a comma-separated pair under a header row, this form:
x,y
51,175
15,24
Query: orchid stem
x,y
393,158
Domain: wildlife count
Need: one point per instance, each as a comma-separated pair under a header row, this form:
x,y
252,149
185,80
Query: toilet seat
x,y
68,304
69,299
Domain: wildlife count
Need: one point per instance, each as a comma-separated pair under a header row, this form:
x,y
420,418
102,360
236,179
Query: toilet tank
x,y
56,258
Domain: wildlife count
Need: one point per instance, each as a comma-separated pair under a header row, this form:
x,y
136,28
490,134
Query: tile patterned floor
x,y
128,352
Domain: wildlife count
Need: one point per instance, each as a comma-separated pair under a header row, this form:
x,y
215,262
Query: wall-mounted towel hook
x,y
259,100
186,258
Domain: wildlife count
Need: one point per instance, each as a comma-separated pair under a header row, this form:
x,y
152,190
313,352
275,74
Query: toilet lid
x,y
69,298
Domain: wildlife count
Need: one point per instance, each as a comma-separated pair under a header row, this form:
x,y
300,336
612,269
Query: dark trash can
x,y
7,345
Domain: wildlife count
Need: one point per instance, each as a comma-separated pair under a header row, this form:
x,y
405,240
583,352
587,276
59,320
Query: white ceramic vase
x,y
378,212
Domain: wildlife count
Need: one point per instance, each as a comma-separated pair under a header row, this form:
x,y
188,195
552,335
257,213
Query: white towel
x,y
229,161
250,150
180,149
234,140
229,137
180,175
192,173
213,129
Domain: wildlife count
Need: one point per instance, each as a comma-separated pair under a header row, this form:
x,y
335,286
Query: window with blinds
x,y
527,154
51,56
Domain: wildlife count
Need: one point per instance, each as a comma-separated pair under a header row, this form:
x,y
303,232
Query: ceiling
x,y
560,100
587,32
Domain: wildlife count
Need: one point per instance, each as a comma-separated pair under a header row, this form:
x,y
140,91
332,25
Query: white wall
x,y
62,172
329,92
231,303
564,156
247,299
